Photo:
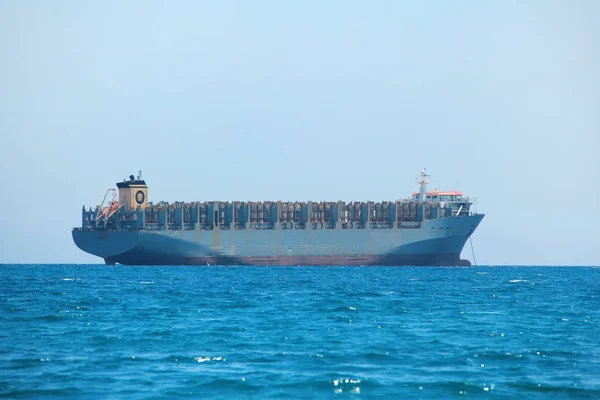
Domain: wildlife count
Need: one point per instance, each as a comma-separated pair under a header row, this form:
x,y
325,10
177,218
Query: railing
x,y
128,221
316,226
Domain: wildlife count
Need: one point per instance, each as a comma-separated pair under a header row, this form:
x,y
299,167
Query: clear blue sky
x,y
312,100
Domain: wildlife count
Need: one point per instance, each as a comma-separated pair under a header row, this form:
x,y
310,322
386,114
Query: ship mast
x,y
423,181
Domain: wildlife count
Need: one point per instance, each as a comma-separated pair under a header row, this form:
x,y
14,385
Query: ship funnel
x,y
133,193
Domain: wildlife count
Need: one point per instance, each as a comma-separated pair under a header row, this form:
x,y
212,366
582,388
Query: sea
x,y
118,332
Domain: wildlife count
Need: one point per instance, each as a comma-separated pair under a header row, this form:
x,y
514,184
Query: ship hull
x,y
435,242
137,258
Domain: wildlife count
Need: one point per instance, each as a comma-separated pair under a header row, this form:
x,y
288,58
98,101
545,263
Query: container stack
x,y
151,214
238,220
203,214
266,213
254,206
318,212
222,220
260,212
357,211
294,215
297,216
171,214
286,213
428,210
407,211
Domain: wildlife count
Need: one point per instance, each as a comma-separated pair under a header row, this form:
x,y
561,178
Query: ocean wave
x,y
295,333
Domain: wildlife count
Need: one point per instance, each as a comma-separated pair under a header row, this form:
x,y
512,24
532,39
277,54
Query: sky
x,y
312,100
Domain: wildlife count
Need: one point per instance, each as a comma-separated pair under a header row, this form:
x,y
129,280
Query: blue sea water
x,y
92,331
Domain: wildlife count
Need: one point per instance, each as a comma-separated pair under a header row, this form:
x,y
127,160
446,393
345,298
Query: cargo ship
x,y
427,228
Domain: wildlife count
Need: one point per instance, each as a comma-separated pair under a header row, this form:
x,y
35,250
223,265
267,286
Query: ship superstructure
x,y
430,228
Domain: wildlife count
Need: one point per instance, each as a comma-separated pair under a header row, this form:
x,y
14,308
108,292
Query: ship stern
x,y
105,244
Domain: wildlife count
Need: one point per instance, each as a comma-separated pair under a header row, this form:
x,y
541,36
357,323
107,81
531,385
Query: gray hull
x,y
435,242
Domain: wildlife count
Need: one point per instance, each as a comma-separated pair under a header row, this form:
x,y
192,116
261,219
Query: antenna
x,y
423,177
139,175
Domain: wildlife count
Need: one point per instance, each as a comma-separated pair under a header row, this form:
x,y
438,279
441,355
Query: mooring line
x,y
472,251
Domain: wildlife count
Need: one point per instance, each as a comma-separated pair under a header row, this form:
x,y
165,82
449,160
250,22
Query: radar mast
x,y
423,180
